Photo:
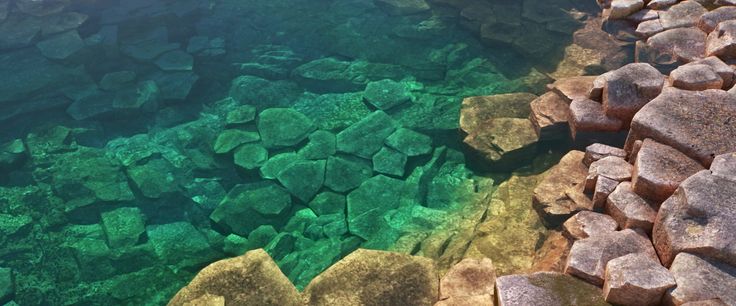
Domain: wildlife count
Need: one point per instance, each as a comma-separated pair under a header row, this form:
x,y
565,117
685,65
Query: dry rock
x,y
696,77
722,41
550,200
587,223
549,116
725,166
684,14
700,280
587,116
598,151
623,8
710,20
629,209
629,88
659,169
469,277
636,279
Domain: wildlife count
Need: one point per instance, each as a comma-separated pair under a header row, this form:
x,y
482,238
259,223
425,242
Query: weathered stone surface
x,y
550,200
230,139
710,20
470,277
546,288
504,141
661,4
389,161
644,15
636,279
603,188
550,116
240,114
684,14
552,255
303,179
346,173
598,151
123,226
250,279
247,207
612,167
588,116
587,223
672,47
368,277
699,219
722,41
250,156
476,300
410,142
696,77
573,88
403,7
386,94
695,123
622,8
322,144
699,279
725,166
476,111
659,169
723,70
327,203
283,127
18,31
629,88
649,28
366,137
117,80
277,163
588,257
180,243
629,209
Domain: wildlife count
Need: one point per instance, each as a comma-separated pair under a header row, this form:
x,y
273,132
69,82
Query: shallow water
x,y
142,140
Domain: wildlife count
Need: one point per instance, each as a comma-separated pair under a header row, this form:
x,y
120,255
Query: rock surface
x,y
546,288
587,223
629,209
550,200
636,279
701,280
469,278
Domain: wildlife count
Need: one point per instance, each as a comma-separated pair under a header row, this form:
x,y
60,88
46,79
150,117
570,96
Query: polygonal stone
x,y
546,288
636,279
123,226
389,161
247,207
661,4
649,28
176,60
629,88
368,205
710,20
505,141
684,14
629,209
180,243
155,178
587,223
623,8
549,116
722,41
699,279
612,167
409,142
725,166
283,127
61,46
603,188
303,179
573,88
469,277
588,257
117,80
386,94
345,173
327,203
365,137
588,116
598,151
672,47
241,114
250,156
696,77
228,140
274,165
321,145
699,219
476,111
659,169
723,70
550,200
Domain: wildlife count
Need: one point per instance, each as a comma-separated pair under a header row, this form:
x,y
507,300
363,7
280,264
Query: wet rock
x,y
386,94
262,93
622,8
629,209
699,279
598,151
230,139
722,41
659,169
327,203
696,77
476,300
155,178
277,163
694,123
409,142
587,223
123,226
117,80
13,224
369,203
180,243
145,97
283,127
725,166
251,156
476,111
587,116
13,154
303,179
649,28
504,141
588,257
672,47
710,20
389,161
18,31
368,277
322,144
175,85
550,200
468,278
38,8
684,14
636,279
250,279
550,116
573,88
403,7
629,88
247,207
698,219
345,173
61,46
366,137
62,22
241,114
546,288
552,255
7,285
176,60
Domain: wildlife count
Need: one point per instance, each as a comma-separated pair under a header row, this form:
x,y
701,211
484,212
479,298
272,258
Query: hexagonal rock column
x,y
669,49
623,8
470,278
573,88
588,257
546,288
627,89
550,200
697,123
598,151
710,20
603,177
684,14
636,279
586,224
699,218
550,116
367,277
722,41
629,209
699,279
659,169
587,117
696,77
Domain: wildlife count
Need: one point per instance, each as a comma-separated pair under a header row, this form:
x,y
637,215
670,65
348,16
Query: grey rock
x,y
659,169
696,77
587,223
636,279
629,209
684,14
725,166
699,279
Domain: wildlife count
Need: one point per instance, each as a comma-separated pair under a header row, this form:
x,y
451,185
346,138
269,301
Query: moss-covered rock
x,y
228,140
389,161
155,178
180,243
250,156
247,207
366,137
345,173
273,167
283,127
321,145
11,224
368,204
241,114
386,94
410,142
123,226
327,203
303,179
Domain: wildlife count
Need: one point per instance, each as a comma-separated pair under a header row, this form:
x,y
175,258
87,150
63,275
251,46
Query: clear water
x,y
134,154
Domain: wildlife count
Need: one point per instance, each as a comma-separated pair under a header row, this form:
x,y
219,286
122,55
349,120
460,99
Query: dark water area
x,y
142,140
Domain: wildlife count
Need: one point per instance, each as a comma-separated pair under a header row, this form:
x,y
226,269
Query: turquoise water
x,y
142,140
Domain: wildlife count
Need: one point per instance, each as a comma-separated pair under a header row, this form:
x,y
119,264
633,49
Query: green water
x,y
143,140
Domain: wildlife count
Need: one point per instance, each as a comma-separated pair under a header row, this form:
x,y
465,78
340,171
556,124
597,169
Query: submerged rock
x,y
386,94
550,200
366,137
247,207
469,278
410,142
303,179
345,173
123,226
403,7
180,243
283,127
61,46
369,204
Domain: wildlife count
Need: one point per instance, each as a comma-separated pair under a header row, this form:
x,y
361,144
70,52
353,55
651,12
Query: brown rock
x,y
368,277
588,116
684,14
659,169
643,15
629,88
636,280
700,280
250,279
470,277
504,142
573,88
603,188
546,288
711,302
623,8
722,41
699,219
648,28
552,255
587,223
588,257
710,20
672,47
598,151
612,167
629,209
697,123
723,70
660,4
596,92
696,77
476,111
549,116
476,300
725,166
550,200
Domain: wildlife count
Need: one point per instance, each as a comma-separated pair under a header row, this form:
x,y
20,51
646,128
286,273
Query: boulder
x,y
476,111
644,15
587,223
230,139
573,88
696,77
710,20
468,278
367,277
636,279
723,70
694,123
622,8
303,179
61,46
629,88
409,142
546,288
250,156
698,219
725,166
672,47
504,142
327,203
250,279
240,114
612,167
684,14
180,244
661,4
365,137
389,161
699,279
345,173
587,116
247,207
123,226
722,41
283,127
603,188
550,200
386,94
321,145
659,169
629,209
550,116
598,151
117,80
649,28
589,256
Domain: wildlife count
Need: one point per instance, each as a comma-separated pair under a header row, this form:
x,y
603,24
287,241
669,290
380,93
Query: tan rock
x,y
725,166
603,188
550,200
546,288
587,116
623,8
672,47
629,88
587,223
699,279
551,257
696,77
684,14
722,41
612,167
723,70
648,28
598,151
470,277
476,300
710,20
629,209
549,116
659,169
573,88
636,280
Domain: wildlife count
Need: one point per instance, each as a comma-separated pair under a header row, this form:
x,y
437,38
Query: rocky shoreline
x,y
645,221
